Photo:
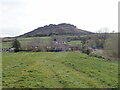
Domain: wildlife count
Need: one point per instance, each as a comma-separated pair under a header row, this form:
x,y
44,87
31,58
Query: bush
x,y
85,49
95,55
16,45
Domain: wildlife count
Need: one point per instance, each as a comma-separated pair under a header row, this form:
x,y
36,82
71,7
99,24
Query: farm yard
x,y
58,70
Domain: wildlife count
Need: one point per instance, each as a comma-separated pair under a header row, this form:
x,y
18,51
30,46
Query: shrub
x,y
85,49
95,55
16,45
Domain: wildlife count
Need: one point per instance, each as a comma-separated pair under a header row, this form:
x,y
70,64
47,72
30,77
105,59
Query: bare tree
x,y
103,30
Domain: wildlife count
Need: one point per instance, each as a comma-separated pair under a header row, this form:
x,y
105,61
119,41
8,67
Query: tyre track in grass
x,y
34,74
45,66
59,58
47,70
101,80
100,84
72,78
51,63
41,75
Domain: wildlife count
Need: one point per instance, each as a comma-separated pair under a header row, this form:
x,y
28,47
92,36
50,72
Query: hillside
x,y
52,29
57,70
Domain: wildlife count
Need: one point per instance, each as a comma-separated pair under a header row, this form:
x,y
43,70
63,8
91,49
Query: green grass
x,y
6,44
76,42
57,70
26,41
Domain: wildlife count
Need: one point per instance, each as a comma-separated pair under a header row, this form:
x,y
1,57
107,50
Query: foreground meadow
x,y
58,70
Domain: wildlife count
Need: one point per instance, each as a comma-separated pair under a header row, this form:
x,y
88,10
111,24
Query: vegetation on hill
x,y
52,29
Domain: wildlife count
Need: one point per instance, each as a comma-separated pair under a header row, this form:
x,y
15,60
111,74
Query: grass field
x,y
25,41
75,42
58,70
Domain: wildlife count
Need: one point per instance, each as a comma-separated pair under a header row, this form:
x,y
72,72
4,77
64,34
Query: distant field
x,y
25,41
76,42
58,70
6,44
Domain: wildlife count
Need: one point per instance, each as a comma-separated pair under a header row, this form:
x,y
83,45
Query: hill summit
x,y
52,29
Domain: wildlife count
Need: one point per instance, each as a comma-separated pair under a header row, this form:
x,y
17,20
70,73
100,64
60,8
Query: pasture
x,y
74,42
57,70
7,43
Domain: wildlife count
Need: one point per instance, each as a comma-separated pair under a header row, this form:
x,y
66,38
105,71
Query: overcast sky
x,y
21,16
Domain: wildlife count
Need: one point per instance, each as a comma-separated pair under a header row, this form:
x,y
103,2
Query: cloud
x,y
11,12
15,31
26,15
10,2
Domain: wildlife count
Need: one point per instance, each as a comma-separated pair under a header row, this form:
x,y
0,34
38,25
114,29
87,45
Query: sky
x,y
21,16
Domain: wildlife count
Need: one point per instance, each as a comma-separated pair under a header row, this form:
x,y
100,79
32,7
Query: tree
x,y
16,45
86,49
112,47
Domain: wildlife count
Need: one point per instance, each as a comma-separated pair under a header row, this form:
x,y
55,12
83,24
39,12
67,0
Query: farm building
x,y
60,44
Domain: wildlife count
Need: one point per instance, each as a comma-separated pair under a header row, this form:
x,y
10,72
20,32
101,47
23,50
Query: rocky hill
x,y
52,29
